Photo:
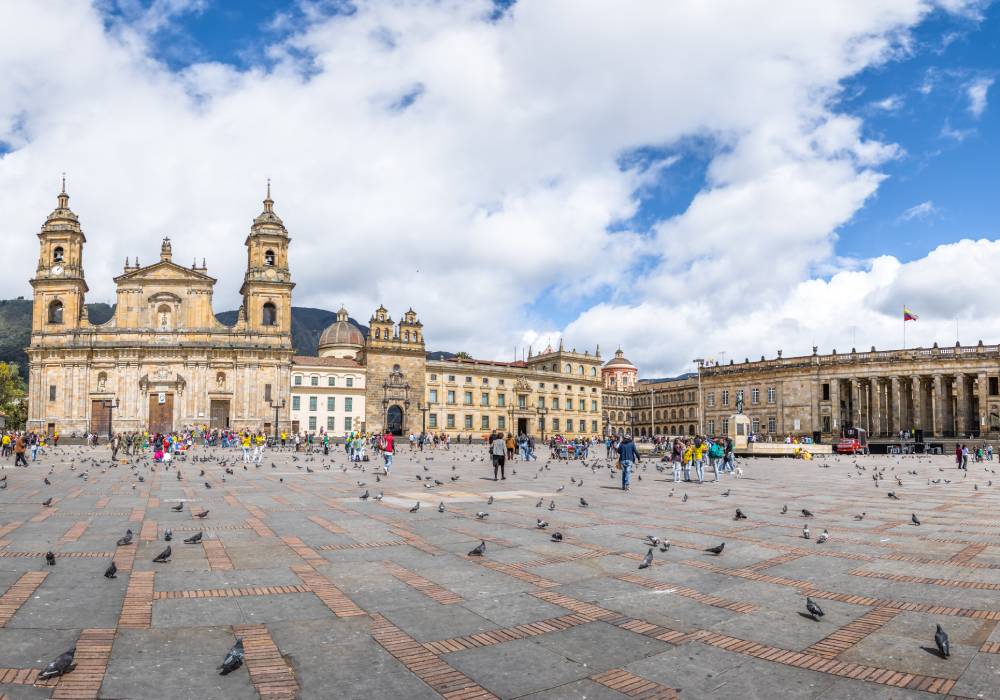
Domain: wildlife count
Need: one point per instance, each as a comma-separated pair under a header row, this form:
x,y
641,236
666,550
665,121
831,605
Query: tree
x,y
463,356
12,402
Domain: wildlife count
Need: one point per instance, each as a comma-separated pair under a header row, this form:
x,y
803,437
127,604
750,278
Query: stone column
x,y
835,406
916,403
854,407
879,422
961,407
937,399
895,406
982,393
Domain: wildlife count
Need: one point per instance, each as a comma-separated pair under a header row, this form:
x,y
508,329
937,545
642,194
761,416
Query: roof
x,y
311,361
341,332
619,362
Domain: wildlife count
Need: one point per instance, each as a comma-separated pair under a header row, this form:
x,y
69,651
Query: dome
x,y
341,335
619,360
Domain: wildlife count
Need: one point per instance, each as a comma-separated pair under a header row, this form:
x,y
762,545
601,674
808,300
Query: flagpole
x,y
904,326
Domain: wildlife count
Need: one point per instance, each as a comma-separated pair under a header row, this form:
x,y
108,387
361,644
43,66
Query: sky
x,y
684,179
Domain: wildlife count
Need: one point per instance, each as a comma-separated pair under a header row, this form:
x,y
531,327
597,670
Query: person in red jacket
x,y
387,445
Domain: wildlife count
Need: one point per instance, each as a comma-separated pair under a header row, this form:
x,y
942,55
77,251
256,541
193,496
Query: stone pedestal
x,y
739,430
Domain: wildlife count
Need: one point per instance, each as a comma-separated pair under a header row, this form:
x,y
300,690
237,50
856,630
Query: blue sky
x,y
679,178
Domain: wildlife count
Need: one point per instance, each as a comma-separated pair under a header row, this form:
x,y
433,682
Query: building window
x,y
499,382
331,403
350,381
314,380
451,377
522,400
826,424
330,423
269,258
267,392
348,404
467,398
312,422
541,402
451,397
450,421
331,381
312,403
52,392
56,311
541,424
298,380
269,315
593,406
541,385
296,403
725,397
826,391
468,422
468,380
486,381
555,403
501,422
347,423
434,377
484,399
711,427
583,405
583,423
755,396
593,426
501,400
772,424
725,427
433,395
432,420
485,422
755,425
771,394
555,425
57,254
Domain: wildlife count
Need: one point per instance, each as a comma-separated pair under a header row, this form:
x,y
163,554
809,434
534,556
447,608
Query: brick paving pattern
x,y
335,596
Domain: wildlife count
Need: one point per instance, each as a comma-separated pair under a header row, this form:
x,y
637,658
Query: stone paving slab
x,y
335,596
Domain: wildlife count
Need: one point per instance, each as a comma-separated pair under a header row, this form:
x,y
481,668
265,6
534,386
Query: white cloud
x,y
977,92
498,182
917,211
891,103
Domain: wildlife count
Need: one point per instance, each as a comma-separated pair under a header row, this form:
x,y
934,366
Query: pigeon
x,y
163,556
168,535
47,502
208,485
557,537
441,507
814,610
489,501
482,515
740,515
583,502
860,516
179,507
685,499
784,509
716,550
378,497
193,539
60,666
941,640
892,495
126,540
50,558
233,660
647,561
541,524
806,513
47,482
539,504
479,551
559,490
805,532
823,537
202,514
652,540
552,505
365,495
665,547
111,571
914,519
726,492
415,508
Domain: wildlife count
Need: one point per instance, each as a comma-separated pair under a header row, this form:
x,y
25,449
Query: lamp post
x,y
276,405
542,411
652,424
423,407
110,404
699,362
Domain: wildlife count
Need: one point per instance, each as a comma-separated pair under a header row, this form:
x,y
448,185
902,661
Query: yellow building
x,y
163,361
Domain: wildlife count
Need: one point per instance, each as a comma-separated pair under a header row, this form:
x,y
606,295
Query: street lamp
x,y
652,424
542,411
276,405
110,404
423,407
700,362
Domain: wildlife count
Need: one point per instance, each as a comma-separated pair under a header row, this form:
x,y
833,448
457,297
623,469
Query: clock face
x,y
271,273
57,270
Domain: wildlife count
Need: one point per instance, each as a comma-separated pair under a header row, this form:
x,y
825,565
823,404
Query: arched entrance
x,y
394,420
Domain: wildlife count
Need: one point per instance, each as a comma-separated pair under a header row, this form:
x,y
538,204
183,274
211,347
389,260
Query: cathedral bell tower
x,y
267,285
59,286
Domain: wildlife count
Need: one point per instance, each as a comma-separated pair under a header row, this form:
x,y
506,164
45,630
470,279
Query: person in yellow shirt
x,y
245,443
284,437
258,451
688,457
700,448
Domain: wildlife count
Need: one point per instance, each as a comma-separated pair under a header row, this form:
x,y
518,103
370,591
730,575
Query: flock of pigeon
x,y
235,657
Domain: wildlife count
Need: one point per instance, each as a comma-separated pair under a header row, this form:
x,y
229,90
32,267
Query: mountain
x,y
15,327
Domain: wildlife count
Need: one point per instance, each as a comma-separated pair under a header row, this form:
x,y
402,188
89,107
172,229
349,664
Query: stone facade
x,y
163,361
942,392
396,361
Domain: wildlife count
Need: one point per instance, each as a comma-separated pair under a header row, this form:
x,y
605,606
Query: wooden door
x,y
220,414
161,415
100,417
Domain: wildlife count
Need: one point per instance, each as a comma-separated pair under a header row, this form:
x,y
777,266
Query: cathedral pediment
x,y
164,271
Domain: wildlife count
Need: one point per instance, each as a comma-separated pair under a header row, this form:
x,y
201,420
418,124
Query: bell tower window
x,y
269,258
269,317
56,311
57,254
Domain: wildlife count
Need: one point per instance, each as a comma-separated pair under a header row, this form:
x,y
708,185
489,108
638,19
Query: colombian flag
x,y
908,315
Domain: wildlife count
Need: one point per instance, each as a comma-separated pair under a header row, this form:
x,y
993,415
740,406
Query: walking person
x,y
387,450
19,448
498,451
628,454
676,458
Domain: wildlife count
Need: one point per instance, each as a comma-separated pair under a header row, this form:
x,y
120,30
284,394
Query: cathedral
x,y
163,361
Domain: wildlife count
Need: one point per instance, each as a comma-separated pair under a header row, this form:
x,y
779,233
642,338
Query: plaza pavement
x,y
336,597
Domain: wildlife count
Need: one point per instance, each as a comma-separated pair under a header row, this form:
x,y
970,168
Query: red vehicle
x,y
853,441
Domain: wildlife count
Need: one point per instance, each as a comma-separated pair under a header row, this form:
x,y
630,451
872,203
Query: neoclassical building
x,y
163,361
646,407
